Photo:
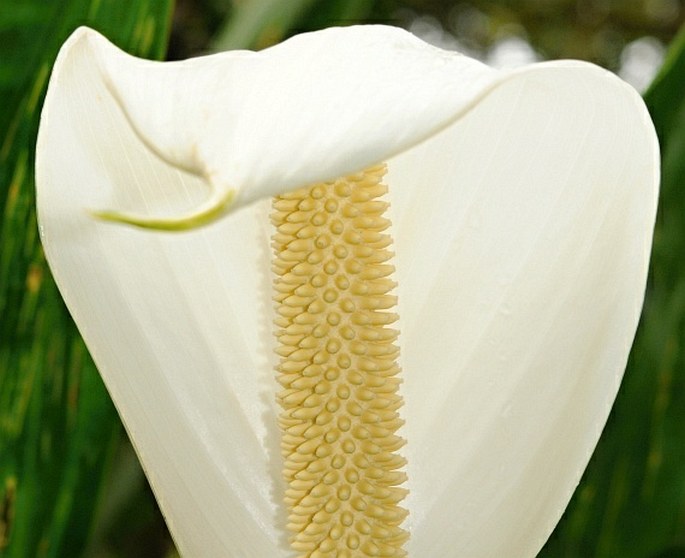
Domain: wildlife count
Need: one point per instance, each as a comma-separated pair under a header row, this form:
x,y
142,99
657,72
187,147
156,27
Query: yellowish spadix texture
x,y
338,369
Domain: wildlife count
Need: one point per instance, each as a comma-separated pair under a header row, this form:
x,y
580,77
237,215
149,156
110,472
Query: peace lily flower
x,y
522,205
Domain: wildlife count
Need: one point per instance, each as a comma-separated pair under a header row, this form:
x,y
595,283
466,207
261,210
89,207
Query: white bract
x,y
523,204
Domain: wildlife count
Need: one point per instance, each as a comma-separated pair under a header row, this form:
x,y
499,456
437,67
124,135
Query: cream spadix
x,y
522,205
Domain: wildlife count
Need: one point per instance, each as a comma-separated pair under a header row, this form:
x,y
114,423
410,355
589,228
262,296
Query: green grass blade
x,y
259,23
256,24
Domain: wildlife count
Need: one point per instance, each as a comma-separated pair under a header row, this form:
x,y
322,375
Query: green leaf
x,y
257,24
631,502
260,23
665,95
58,427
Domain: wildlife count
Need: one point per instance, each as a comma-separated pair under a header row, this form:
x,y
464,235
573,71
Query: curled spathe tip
x,y
205,215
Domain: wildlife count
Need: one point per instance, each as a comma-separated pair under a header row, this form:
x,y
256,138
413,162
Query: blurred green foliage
x,y
65,477
58,428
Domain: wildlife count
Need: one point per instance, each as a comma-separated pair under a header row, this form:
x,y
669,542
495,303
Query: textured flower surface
x,y
522,206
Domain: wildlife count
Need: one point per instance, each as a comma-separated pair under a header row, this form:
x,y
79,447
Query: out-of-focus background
x,y
627,36
70,484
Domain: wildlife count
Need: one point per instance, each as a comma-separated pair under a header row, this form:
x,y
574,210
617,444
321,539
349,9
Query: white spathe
x,y
523,204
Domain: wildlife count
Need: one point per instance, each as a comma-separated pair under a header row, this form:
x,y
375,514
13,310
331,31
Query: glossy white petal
x,y
522,235
300,112
177,324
